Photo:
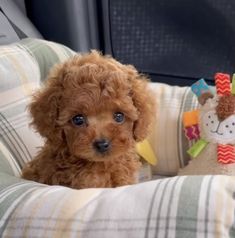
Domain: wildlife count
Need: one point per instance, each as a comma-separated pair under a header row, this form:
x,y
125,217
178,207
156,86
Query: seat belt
x,y
14,25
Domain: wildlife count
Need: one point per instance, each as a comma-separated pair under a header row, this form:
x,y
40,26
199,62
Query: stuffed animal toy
x,y
213,127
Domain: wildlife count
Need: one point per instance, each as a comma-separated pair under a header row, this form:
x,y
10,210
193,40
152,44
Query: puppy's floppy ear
x,y
144,101
44,108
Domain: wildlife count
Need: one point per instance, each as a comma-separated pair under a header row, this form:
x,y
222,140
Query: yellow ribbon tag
x,y
145,150
196,149
233,85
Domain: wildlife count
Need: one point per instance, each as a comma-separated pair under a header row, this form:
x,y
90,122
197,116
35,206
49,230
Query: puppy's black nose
x,y
102,145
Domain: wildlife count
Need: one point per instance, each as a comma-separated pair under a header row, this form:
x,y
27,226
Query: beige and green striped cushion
x,y
8,163
179,207
168,139
23,66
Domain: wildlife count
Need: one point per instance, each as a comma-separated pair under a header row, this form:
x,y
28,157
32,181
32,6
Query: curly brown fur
x,y
96,87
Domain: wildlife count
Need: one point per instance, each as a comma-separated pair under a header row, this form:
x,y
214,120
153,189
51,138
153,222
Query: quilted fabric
x,y
23,66
182,207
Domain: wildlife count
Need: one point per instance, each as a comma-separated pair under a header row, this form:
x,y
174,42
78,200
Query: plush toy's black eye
x,y
119,117
79,120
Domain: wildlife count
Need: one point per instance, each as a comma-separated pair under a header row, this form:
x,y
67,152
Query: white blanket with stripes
x,y
192,206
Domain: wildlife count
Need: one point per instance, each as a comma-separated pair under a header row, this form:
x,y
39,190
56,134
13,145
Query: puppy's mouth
x,y
95,156
100,151
98,157
102,157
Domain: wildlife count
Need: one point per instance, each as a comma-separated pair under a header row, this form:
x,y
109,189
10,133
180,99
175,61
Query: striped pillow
x,y
168,140
23,66
184,206
8,164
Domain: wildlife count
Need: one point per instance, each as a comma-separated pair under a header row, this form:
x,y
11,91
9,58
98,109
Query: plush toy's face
x,y
213,128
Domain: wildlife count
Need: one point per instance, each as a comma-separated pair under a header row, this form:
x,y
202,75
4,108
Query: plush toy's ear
x,y
44,109
204,97
144,101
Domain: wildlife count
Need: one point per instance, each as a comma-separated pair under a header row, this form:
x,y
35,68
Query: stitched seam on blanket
x,y
151,209
13,136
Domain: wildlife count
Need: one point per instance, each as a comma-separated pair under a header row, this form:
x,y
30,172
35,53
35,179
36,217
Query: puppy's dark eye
x,y
79,120
118,117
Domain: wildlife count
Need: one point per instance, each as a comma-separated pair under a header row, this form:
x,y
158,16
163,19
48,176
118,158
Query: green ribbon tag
x,y
233,85
196,149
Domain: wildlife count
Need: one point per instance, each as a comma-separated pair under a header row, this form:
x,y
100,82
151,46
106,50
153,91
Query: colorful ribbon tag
x,y
192,132
200,87
145,150
190,118
197,148
226,154
222,82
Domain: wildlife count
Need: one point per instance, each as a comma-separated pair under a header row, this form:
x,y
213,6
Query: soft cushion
x,y
167,139
183,207
8,163
23,66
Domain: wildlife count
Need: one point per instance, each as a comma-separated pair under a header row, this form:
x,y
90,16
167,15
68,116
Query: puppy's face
x,y
95,106
97,118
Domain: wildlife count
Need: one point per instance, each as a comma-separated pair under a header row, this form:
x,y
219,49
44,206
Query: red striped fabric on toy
x,y
222,82
225,154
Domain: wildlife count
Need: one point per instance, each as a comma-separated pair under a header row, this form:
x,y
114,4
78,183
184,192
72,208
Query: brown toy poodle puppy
x,y
91,111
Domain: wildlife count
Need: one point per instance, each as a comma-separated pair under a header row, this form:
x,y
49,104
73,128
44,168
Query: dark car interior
x,y
174,42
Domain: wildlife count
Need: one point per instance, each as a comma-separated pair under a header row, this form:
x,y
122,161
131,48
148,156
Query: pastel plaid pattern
x,y
183,207
186,206
23,66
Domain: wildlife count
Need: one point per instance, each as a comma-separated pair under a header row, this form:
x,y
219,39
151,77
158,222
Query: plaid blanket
x,y
173,207
189,207
23,66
